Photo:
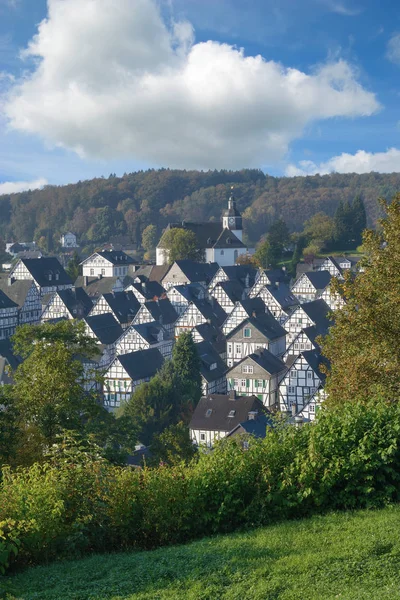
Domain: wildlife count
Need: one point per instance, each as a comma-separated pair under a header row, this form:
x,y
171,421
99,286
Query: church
x,y
221,242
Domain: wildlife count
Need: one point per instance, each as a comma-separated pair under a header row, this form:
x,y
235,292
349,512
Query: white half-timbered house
x,y
183,272
257,375
126,373
264,278
311,409
303,378
310,286
106,331
122,305
331,265
334,301
279,300
227,293
212,369
8,316
253,334
181,295
207,332
305,315
307,339
145,291
108,263
46,272
217,415
24,293
252,307
143,337
198,312
243,274
67,304
160,311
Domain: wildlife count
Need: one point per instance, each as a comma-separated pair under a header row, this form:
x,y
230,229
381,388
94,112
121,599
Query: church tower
x,y
232,219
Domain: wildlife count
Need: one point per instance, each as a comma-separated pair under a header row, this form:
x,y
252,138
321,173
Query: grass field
x,y
348,556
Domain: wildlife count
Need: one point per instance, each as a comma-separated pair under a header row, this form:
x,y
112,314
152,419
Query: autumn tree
x,y
363,347
74,266
149,239
181,244
319,230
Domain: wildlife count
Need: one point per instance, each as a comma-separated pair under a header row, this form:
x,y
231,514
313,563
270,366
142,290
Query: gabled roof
x,y
211,311
283,295
149,331
75,300
97,286
105,327
317,311
162,311
319,279
195,271
191,291
6,302
315,360
212,412
7,352
206,233
256,427
266,324
208,357
240,272
210,333
41,269
234,289
333,260
276,275
141,364
253,306
148,289
124,305
226,239
266,360
18,290
115,257
152,272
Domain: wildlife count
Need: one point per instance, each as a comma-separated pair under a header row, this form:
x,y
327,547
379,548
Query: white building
x,y
109,263
302,380
47,273
68,240
220,242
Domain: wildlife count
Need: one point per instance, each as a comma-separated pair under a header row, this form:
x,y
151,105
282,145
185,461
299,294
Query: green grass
x,y
348,556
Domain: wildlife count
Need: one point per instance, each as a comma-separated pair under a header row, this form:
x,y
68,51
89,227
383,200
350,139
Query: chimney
x,y
232,394
254,314
284,268
252,415
11,280
85,280
277,285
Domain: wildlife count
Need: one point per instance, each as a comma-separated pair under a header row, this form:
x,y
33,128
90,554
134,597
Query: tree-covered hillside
x,y
100,209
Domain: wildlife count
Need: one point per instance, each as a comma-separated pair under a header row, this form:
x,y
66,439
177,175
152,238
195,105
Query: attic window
x,y
209,241
229,240
232,413
213,366
208,413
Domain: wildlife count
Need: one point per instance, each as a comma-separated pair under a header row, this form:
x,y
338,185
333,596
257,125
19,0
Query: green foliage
x,y
364,345
181,244
319,230
73,268
270,250
186,365
149,238
76,502
172,446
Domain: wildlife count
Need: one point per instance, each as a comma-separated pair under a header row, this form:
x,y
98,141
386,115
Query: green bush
x,y
349,458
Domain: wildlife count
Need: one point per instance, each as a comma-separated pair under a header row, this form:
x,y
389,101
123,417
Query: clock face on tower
x,y
231,220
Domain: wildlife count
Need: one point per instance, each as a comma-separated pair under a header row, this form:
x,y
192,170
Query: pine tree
x,y
187,370
343,220
359,218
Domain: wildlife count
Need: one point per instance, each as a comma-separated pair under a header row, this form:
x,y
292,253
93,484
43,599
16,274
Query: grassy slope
x,y
348,556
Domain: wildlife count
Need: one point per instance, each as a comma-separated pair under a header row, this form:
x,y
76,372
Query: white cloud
x,y
360,162
341,8
14,187
393,49
111,80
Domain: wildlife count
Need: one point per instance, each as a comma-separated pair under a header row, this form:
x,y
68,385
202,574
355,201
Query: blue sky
x,y
53,121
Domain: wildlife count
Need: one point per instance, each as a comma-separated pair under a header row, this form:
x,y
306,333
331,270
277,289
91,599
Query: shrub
x,y
78,503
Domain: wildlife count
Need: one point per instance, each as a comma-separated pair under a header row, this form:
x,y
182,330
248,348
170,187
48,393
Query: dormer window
x,y
208,412
50,276
213,366
231,414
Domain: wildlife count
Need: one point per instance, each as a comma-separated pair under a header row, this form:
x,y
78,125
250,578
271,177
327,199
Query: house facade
x,y
310,286
26,295
109,263
46,272
302,380
143,337
68,240
254,334
8,316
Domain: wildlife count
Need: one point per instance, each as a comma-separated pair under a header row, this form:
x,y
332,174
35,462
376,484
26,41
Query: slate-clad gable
x,y
105,328
212,369
123,305
46,272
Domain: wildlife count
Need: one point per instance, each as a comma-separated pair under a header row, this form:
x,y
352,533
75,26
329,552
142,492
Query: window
x,y
309,375
306,391
92,271
257,383
238,348
202,437
231,414
245,445
299,321
312,408
222,252
291,390
296,346
103,271
247,369
209,411
293,374
247,332
230,348
243,383
236,382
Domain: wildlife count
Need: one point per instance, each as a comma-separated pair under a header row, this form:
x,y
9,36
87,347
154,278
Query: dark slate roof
x,y
209,356
97,286
210,333
254,306
195,271
42,268
149,331
206,233
191,291
267,361
18,290
334,262
314,331
220,406
105,327
315,360
6,302
256,427
211,311
234,289
319,279
227,239
7,352
116,257
124,305
149,289
283,295
162,311
76,300
276,275
265,323
241,273
152,272
142,363
317,311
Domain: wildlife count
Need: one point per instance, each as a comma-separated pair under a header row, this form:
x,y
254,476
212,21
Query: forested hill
x,y
100,209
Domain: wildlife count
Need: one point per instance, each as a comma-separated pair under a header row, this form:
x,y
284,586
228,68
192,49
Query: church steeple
x,y
231,217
